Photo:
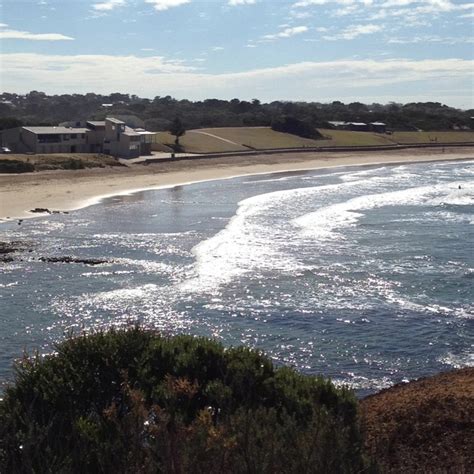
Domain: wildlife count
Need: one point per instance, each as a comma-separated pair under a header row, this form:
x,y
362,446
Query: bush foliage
x,y
15,166
295,127
135,401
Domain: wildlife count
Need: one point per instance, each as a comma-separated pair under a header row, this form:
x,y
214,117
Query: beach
x,y
74,189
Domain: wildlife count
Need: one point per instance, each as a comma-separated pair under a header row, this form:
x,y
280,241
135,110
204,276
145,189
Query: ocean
x,y
362,274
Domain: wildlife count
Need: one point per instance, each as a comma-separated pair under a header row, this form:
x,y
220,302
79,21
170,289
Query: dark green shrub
x,y
15,166
301,128
73,164
135,401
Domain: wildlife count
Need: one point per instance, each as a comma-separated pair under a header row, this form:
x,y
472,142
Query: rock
x,y
13,246
41,210
45,210
67,259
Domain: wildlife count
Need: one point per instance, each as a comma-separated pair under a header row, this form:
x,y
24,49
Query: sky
x,y
311,50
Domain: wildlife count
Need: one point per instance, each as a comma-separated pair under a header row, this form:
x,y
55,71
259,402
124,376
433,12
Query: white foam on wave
x,y
246,243
458,361
249,243
325,222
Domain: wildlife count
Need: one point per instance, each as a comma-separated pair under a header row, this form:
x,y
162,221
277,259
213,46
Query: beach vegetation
x,y
22,163
15,166
136,401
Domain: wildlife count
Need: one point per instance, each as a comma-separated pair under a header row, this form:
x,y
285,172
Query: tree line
x,y
38,108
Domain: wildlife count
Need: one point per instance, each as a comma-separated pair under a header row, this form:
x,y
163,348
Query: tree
x,y
177,129
301,128
10,122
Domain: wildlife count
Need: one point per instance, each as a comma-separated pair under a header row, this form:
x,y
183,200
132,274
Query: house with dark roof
x,y
111,136
377,127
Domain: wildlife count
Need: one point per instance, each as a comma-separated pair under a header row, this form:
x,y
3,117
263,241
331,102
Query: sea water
x,y
363,274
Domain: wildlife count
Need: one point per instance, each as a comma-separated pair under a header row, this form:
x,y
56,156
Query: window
x,y
73,135
49,138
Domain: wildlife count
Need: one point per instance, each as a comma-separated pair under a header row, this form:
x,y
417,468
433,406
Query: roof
x,y
378,123
55,130
337,123
96,123
114,120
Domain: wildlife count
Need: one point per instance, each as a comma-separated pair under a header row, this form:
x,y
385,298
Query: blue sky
x,y
314,50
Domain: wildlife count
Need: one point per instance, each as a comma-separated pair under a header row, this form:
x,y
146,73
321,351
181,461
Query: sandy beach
x,y
69,190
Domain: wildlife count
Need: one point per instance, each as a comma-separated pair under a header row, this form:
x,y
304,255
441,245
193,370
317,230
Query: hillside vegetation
x,y
132,401
157,114
423,426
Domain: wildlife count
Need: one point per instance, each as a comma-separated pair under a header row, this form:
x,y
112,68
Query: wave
x,y
261,236
324,223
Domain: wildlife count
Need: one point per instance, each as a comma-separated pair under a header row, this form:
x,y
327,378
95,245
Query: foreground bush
x,y
134,401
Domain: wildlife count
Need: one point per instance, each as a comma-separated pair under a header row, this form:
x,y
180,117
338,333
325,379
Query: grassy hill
x,y
228,139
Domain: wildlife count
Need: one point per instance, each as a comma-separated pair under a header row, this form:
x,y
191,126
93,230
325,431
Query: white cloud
x,y
162,5
233,3
150,76
287,33
432,39
298,15
6,33
353,31
413,12
108,5
310,3
217,48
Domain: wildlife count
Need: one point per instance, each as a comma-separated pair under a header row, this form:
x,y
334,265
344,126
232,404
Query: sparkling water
x,y
363,274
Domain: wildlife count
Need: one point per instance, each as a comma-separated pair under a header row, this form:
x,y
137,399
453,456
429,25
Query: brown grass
x,y
423,426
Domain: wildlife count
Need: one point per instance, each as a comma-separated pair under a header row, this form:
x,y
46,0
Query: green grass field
x,y
429,137
199,143
260,138
349,138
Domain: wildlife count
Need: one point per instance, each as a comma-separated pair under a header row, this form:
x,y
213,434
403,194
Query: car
x,y
5,149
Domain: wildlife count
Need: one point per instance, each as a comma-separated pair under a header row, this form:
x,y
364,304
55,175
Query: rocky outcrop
x,y
67,259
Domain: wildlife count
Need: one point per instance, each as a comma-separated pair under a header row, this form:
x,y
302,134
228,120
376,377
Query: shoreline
x,y
72,190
